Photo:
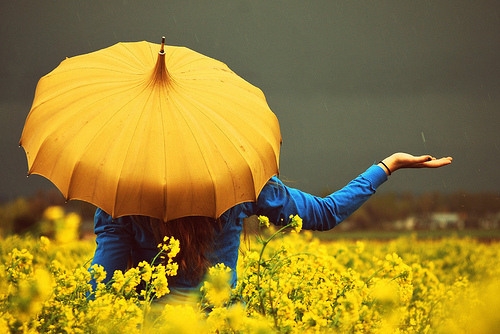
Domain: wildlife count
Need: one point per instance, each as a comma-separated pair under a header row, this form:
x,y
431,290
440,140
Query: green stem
x,y
264,245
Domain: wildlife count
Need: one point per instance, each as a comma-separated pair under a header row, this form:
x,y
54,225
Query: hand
x,y
405,160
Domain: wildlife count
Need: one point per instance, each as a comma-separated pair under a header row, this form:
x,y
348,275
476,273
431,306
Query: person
x,y
205,241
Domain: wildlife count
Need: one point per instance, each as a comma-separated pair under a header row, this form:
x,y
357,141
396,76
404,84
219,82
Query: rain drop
x,y
423,139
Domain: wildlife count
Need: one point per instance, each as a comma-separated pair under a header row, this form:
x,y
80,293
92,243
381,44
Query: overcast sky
x,y
351,82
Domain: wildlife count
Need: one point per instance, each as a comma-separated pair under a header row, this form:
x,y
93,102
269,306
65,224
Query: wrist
x,y
385,167
390,164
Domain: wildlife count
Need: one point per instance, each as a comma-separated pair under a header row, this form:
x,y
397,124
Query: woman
x,y
205,242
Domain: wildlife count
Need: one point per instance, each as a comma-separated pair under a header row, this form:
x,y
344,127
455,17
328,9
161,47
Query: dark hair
x,y
196,238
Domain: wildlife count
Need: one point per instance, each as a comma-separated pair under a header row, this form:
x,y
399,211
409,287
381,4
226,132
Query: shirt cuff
x,y
375,175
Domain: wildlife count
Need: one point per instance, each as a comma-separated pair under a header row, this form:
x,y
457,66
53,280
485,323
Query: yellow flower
x,y
21,265
146,270
386,291
180,319
98,273
53,213
67,229
160,283
216,288
132,280
5,320
296,223
44,243
170,246
263,221
118,280
171,268
174,248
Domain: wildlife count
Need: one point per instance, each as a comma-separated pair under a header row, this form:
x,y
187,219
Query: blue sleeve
x,y
114,243
278,201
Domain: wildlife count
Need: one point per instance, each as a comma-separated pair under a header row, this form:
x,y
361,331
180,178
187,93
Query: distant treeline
x,y
21,215
397,206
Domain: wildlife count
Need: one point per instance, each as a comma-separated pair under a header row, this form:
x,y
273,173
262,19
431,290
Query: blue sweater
x,y
120,239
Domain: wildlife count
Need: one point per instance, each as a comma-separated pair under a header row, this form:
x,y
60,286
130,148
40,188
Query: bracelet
x,y
381,162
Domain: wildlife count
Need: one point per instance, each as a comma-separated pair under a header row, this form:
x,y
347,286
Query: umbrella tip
x,y
162,50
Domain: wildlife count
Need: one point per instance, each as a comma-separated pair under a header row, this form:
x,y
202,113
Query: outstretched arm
x,y
278,202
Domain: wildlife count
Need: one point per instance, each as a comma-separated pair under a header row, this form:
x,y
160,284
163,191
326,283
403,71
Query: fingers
x,y
424,158
435,163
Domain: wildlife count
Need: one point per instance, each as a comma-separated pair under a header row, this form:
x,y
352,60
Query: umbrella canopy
x,y
149,129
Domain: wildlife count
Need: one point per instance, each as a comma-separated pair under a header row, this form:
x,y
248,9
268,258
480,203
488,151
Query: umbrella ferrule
x,y
162,49
160,72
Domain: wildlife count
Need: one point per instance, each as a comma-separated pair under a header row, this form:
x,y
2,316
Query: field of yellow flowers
x,y
288,283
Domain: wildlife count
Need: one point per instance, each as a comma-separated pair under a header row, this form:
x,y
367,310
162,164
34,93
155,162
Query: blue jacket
x,y
121,239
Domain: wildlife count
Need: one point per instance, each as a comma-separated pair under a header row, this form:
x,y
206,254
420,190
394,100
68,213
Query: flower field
x,y
288,283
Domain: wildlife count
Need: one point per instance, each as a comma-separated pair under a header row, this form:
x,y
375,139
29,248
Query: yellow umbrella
x,y
164,134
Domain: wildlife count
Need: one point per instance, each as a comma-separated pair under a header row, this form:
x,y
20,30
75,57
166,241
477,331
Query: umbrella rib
x,y
164,156
130,142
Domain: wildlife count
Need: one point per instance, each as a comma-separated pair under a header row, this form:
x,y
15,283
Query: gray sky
x,y
350,81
